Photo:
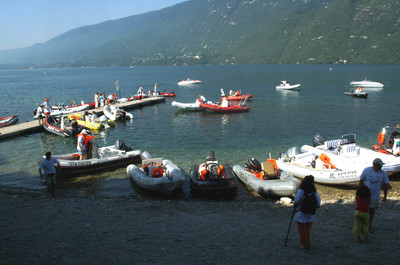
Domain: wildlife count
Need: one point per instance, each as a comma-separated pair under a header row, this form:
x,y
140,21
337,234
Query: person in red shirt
x,y
361,214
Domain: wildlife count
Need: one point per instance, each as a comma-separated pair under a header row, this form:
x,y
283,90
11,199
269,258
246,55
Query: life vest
x,y
327,161
114,97
86,138
381,138
204,174
220,170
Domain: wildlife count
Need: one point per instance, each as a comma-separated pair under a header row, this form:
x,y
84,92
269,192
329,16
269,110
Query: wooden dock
x,y
28,127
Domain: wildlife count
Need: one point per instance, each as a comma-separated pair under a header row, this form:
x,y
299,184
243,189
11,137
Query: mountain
x,y
229,32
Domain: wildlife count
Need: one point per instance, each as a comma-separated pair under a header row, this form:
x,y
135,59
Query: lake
x,y
277,120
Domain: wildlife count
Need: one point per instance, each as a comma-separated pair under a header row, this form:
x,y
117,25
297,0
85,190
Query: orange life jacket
x,y
381,138
86,138
324,158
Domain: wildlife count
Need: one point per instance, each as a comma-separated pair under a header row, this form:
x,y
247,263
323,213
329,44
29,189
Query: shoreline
x,y
66,230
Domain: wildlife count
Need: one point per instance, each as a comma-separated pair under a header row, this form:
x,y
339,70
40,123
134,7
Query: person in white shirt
x,y
40,113
47,108
224,102
81,147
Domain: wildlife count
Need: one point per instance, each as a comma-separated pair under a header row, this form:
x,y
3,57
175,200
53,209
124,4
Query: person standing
x,y
375,178
102,99
96,100
40,113
47,108
305,220
81,145
47,165
361,214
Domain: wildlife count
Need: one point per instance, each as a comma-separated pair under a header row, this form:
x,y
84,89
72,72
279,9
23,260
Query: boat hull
x,y
172,178
217,184
110,158
9,120
187,106
219,108
357,95
285,186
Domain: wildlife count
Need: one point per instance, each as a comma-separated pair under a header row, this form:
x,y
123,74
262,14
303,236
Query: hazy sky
x,y
26,22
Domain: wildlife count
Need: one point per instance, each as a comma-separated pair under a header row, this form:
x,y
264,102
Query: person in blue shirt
x,y
375,178
47,169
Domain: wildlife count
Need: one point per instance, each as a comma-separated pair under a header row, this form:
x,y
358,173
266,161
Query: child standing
x,y
361,214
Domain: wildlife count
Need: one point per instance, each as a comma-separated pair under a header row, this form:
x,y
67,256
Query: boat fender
x,y
324,158
204,174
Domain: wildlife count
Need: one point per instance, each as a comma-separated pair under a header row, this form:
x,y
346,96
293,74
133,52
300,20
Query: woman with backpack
x,y
306,201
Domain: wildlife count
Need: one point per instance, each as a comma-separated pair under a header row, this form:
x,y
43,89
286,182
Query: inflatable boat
x,y
9,120
99,159
266,179
114,113
187,106
157,175
356,94
61,126
212,177
226,109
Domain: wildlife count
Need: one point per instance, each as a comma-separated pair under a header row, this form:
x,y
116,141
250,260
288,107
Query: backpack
x,y
310,203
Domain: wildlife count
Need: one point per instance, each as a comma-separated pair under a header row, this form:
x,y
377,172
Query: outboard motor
x,y
120,145
211,156
254,165
319,139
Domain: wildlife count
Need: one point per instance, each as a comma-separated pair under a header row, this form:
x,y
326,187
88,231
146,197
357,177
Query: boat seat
x,y
332,144
157,160
269,168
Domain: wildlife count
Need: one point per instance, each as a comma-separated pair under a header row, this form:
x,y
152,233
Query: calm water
x,y
277,121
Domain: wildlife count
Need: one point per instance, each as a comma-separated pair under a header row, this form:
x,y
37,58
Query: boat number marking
x,y
79,163
345,174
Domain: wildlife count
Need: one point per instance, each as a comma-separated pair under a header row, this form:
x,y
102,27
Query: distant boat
x,y
286,86
189,82
366,84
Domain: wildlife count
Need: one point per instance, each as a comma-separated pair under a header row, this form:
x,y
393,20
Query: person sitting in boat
x,y
224,103
201,99
93,117
230,92
358,90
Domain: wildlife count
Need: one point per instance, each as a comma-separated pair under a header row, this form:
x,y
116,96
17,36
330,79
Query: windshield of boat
x,y
348,139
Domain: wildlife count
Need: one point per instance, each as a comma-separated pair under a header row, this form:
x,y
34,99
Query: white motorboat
x,y
114,113
157,175
319,165
187,106
366,84
189,82
286,86
271,182
346,154
65,111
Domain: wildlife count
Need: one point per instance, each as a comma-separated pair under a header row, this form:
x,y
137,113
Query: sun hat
x,y
84,131
378,161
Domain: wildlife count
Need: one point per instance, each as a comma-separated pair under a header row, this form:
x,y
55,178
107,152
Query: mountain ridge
x,y
229,32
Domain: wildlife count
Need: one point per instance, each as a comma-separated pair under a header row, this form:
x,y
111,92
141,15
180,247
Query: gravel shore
x,y
60,230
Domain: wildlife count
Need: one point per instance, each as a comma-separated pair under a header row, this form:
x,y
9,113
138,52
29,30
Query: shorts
x,y
50,178
374,204
83,152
